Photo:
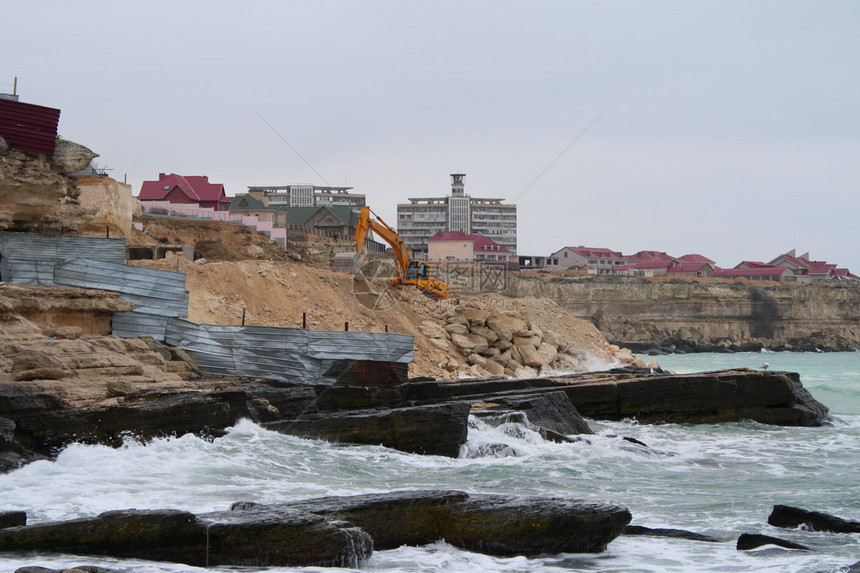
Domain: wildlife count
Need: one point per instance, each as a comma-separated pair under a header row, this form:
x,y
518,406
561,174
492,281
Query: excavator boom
x,y
410,272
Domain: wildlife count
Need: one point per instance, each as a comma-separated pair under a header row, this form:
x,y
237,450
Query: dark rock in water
x,y
12,454
751,540
332,531
492,524
671,533
438,429
789,517
491,450
288,538
76,569
550,410
12,519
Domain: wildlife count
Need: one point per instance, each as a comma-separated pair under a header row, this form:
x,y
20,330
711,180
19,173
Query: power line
x,y
551,163
290,146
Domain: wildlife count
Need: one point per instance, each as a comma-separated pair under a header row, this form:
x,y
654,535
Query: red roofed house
x,y
695,259
806,270
189,190
756,271
596,260
681,268
460,247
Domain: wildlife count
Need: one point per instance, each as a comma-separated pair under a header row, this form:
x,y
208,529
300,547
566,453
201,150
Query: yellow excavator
x,y
409,272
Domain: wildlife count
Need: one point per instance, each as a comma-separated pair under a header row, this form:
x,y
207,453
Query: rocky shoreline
x,y
425,417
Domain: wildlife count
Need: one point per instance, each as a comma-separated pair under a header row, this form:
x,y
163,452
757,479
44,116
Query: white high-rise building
x,y
423,217
305,195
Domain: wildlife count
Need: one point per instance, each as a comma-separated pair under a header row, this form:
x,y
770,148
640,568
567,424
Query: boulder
x,y
792,517
432,329
463,342
457,328
485,523
547,352
479,343
440,343
475,316
506,327
529,354
670,533
531,340
12,519
290,538
491,351
70,157
476,359
748,541
437,429
494,368
547,410
74,569
487,333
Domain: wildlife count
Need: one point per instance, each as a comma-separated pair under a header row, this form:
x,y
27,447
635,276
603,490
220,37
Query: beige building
x,y
423,217
457,246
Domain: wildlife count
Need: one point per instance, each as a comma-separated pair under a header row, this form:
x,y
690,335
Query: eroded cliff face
x,y
39,195
693,315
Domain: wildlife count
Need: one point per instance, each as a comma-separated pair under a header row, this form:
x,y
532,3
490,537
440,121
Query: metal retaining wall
x,y
153,291
160,301
29,258
294,354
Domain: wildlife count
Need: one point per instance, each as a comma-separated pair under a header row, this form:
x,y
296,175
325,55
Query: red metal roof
x,y
752,272
695,258
196,187
643,256
29,127
686,267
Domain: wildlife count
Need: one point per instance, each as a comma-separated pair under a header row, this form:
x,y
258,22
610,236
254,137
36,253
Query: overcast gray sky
x,y
730,128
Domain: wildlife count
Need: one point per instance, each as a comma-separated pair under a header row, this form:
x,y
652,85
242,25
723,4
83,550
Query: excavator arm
x,y
386,233
409,272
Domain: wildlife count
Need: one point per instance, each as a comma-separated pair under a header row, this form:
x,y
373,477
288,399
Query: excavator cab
x,y
418,270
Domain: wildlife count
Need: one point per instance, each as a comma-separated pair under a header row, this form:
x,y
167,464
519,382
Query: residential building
x,y
423,217
692,269
596,260
307,195
186,189
457,246
756,272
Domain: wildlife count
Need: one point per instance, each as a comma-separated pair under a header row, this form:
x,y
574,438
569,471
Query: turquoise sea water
x,y
721,480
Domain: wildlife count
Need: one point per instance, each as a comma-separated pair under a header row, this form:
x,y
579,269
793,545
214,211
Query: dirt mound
x,y
276,293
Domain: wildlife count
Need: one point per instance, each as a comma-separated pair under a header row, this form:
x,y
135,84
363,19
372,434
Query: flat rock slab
x,y
332,531
437,429
492,524
291,538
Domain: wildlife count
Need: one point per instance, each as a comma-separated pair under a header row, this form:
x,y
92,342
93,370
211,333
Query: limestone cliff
x,y
697,315
39,195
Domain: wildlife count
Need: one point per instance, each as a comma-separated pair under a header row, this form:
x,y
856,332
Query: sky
x,y
725,128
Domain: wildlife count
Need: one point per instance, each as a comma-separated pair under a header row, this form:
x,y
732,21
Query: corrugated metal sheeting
x,y
152,291
286,354
29,127
160,301
29,258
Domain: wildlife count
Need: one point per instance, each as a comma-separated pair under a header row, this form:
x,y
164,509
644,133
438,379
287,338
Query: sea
x,y
718,479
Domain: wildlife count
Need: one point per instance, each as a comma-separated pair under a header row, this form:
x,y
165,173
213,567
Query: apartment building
x,y
423,217
306,195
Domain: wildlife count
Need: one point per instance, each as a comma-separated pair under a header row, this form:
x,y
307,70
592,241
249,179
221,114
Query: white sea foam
x,y
720,480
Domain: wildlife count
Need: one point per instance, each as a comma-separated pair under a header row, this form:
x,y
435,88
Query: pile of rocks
x,y
506,343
